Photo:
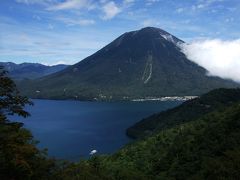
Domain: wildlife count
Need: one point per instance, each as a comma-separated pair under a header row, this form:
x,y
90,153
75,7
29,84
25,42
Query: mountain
x,y
30,70
143,63
186,112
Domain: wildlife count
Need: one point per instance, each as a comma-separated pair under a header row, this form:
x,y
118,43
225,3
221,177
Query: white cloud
x,y
220,58
204,4
128,1
72,4
103,1
41,2
56,5
26,43
38,18
127,4
72,22
50,26
151,2
229,19
180,10
200,6
110,10
55,63
150,22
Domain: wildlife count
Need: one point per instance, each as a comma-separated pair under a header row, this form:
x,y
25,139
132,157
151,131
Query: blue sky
x,y
67,31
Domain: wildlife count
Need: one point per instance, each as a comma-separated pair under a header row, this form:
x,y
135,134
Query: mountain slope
x,y
142,63
186,112
30,70
208,147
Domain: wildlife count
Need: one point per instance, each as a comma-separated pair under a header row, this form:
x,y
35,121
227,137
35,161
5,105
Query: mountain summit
x,y
143,63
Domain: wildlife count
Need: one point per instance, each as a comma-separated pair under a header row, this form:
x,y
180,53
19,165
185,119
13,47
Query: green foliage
x,y
205,148
197,140
186,112
10,100
19,157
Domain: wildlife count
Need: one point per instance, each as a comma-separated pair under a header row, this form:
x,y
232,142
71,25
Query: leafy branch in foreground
x,y
11,102
19,156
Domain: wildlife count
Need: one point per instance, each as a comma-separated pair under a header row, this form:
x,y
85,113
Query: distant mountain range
x,y
138,64
30,70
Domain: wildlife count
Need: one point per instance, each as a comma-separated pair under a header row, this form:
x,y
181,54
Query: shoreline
x,y
165,98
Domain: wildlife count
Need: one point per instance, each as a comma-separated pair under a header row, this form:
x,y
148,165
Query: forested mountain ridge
x,y
30,70
188,111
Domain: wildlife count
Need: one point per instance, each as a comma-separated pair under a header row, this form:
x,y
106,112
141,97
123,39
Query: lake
x,y
71,129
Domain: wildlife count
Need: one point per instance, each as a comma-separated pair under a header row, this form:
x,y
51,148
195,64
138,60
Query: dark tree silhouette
x,y
19,156
11,102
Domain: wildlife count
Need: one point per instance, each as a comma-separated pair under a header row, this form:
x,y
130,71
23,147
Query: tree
x,y
19,156
11,102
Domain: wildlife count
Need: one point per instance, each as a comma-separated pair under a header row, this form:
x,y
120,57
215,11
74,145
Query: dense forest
x,y
200,139
186,112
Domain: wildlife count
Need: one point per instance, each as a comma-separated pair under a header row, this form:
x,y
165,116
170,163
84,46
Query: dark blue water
x,y
71,129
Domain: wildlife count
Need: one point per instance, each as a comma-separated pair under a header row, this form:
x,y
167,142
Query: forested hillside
x,y
205,146
30,70
188,111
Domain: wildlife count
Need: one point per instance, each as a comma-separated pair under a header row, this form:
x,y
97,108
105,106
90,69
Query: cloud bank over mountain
x,y
221,58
